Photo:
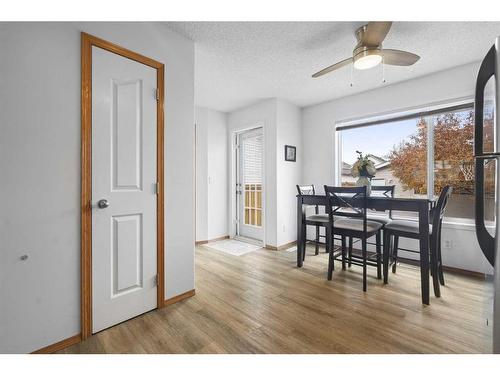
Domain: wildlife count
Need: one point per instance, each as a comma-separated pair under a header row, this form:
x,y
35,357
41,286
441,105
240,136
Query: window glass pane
x,y
247,198
259,218
454,161
398,151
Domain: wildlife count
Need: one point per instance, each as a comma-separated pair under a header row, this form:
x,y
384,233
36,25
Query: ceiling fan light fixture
x,y
368,52
367,59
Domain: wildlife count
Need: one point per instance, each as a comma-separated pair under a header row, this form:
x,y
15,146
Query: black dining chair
x,y
349,206
382,191
317,220
410,229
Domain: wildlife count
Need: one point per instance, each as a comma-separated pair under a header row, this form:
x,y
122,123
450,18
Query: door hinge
x,y
157,94
157,280
157,188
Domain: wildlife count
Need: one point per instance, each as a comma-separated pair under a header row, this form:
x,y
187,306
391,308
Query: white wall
x,y
218,186
259,114
289,174
201,212
40,171
318,139
211,174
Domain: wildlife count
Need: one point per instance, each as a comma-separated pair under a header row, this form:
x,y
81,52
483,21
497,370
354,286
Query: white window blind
x,y
252,160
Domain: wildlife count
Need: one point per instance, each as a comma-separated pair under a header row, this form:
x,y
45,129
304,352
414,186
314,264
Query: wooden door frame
x,y
87,42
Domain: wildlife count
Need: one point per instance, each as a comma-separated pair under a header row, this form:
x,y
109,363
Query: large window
x,y
419,155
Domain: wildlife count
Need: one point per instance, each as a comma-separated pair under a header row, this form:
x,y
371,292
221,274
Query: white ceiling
x,y
238,63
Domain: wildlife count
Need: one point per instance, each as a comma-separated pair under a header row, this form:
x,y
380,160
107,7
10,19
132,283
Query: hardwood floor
x,y
262,303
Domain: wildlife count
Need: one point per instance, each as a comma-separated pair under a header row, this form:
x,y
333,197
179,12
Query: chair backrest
x,y
339,198
437,213
306,189
384,191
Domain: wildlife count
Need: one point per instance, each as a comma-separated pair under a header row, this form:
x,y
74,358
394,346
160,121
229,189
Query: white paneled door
x,y
249,184
123,189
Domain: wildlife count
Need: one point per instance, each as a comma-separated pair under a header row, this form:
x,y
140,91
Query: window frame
x,y
429,113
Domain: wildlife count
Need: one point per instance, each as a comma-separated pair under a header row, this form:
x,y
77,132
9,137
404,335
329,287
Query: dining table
x,y
422,206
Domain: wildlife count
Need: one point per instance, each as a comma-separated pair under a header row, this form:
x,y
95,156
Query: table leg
x,y
299,232
423,219
385,255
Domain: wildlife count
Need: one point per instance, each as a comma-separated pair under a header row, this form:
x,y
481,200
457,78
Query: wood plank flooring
x,y
262,303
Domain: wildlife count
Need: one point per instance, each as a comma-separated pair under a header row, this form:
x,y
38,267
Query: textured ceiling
x,y
238,63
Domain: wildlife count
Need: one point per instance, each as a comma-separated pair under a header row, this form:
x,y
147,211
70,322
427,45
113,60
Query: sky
x,y
378,140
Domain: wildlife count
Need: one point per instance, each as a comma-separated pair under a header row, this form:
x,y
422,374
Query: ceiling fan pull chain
x,y
352,72
383,70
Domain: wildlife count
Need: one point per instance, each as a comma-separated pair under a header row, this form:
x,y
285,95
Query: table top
x,y
369,197
379,203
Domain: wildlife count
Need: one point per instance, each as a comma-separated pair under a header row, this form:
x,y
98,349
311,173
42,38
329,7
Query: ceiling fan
x,y
368,53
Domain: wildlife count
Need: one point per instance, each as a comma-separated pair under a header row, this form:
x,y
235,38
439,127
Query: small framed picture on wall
x,y
290,153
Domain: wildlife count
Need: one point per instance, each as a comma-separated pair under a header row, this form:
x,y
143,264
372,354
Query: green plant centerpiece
x,y
365,170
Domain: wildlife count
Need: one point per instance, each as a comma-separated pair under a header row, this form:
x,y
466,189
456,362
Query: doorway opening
x,y
249,186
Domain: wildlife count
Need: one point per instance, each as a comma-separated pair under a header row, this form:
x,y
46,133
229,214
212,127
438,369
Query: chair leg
x,y
326,250
440,272
379,255
343,252
440,261
434,267
329,247
317,240
364,262
395,254
349,263
332,247
386,252
304,241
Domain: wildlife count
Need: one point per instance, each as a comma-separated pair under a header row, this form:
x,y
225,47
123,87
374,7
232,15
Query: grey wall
x,y
40,171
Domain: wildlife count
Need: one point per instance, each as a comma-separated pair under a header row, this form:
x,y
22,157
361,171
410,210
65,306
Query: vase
x,y
365,181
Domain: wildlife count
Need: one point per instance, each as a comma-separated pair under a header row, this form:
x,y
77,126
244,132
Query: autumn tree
x,y
453,146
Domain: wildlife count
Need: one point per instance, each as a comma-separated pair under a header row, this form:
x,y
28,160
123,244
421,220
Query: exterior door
x,y
250,187
124,245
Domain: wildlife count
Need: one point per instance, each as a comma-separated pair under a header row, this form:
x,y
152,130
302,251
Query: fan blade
x,y
397,57
333,67
375,33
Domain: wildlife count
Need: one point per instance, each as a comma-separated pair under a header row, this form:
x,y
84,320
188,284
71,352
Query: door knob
x,y
103,203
